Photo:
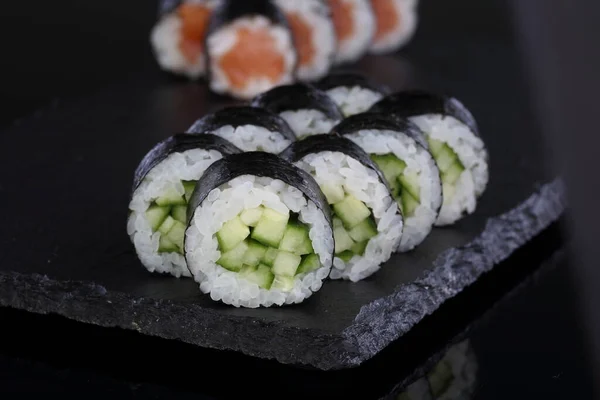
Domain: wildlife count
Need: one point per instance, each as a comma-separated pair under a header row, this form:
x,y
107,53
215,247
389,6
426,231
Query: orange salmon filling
x,y
253,56
343,19
387,16
303,38
194,23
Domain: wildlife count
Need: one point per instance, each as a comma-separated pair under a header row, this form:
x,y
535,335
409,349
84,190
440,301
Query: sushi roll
x,y
259,232
314,36
367,223
249,128
307,110
250,48
355,27
399,149
454,141
396,22
162,186
177,38
352,92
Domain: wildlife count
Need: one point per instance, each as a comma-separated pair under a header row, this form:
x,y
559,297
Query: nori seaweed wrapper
x,y
180,143
242,115
298,96
350,79
412,103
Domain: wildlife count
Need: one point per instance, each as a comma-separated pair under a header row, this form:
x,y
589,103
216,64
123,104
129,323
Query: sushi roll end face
x,y
396,24
355,27
453,137
367,222
163,183
259,232
399,149
250,48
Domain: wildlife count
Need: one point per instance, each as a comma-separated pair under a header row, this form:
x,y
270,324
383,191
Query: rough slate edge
x,y
376,325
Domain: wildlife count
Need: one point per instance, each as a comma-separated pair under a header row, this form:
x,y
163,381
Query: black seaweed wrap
x,y
350,79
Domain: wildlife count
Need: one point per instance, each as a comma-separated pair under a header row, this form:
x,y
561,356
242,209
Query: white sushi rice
x,y
336,168
418,226
226,202
403,31
472,153
308,122
364,25
189,165
315,14
354,99
252,138
225,38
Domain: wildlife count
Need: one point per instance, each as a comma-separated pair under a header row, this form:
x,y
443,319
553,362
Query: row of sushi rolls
x,y
263,201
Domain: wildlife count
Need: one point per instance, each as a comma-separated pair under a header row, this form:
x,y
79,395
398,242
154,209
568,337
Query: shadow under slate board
x,y
65,250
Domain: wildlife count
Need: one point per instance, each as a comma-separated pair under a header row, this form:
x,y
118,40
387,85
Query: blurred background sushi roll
x,y
399,149
249,128
307,110
367,223
259,233
396,24
314,36
163,183
177,38
355,28
454,141
352,92
250,48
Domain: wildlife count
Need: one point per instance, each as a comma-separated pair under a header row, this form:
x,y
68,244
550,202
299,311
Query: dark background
x,y
534,345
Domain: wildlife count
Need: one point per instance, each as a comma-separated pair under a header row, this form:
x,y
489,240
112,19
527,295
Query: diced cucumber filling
x,y
449,164
251,216
351,211
270,227
232,233
180,213
309,263
156,216
346,255
255,253
283,283
286,263
363,231
189,187
167,224
260,274
269,257
165,245
403,184
171,197
233,259
333,193
296,240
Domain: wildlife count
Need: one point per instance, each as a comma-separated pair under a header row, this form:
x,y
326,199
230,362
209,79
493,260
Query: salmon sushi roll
x,y
249,48
178,37
396,24
314,36
355,27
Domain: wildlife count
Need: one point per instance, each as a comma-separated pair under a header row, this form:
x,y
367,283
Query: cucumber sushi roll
x,y
163,183
396,22
314,36
454,141
352,92
307,110
355,26
249,128
260,232
399,149
178,36
250,48
367,223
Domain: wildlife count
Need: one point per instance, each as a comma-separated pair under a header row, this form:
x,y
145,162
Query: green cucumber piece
x,y
363,231
255,253
409,204
167,224
180,213
440,378
261,275
445,158
165,245
410,182
232,233
453,173
283,283
351,211
156,216
309,263
343,241
359,247
269,257
251,216
233,260
435,146
189,187
296,240
270,227
346,255
448,191
170,198
286,263
333,193
176,234
390,165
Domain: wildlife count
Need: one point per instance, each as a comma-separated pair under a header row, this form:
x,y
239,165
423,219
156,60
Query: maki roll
x,y
250,48
352,92
396,22
399,149
249,128
314,36
307,110
163,183
454,141
178,36
367,223
259,232
355,27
